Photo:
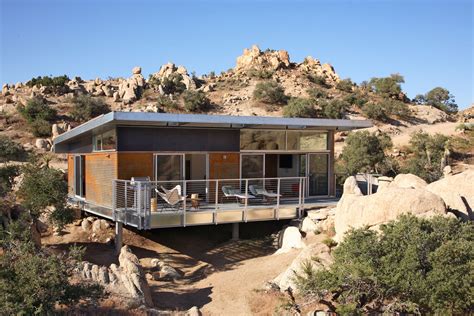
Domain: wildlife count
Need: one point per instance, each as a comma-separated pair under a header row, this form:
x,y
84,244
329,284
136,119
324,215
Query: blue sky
x,y
429,42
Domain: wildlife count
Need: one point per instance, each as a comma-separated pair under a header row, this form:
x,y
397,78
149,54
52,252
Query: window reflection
x,y
105,141
262,140
307,140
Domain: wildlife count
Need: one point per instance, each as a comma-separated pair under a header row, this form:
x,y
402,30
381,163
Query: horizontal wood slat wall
x,y
101,170
135,165
70,175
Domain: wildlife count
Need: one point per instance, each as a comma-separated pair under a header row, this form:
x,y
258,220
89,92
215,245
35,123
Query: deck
x,y
137,204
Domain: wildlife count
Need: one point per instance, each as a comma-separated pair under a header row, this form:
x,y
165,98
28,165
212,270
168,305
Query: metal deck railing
x,y
137,203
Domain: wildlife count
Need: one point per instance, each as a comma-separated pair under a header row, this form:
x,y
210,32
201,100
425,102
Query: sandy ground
x,y
402,139
220,276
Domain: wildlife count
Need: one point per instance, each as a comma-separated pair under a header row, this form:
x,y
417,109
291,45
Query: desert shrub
x,y
165,102
10,150
38,115
7,177
319,80
260,73
463,127
414,265
364,152
86,107
387,86
43,187
442,99
299,107
356,99
345,85
153,81
195,101
34,281
428,155
419,99
47,81
383,110
334,109
270,92
317,93
173,84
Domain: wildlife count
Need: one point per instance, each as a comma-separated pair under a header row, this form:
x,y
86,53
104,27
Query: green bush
x,y
47,81
7,177
39,116
10,150
299,107
42,187
334,109
442,99
414,265
165,102
319,80
86,107
356,99
317,93
387,86
35,281
173,84
345,85
195,101
428,155
270,92
260,73
383,110
364,152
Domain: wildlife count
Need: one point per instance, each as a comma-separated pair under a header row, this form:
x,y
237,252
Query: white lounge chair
x,y
172,197
258,190
230,192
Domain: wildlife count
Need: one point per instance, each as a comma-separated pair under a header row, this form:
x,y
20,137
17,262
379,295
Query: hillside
x,y
227,93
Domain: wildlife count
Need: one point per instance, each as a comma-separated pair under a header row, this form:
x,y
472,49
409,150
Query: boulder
x,y
379,208
41,143
193,311
457,191
137,70
169,273
383,183
408,180
317,251
308,226
291,239
253,58
351,187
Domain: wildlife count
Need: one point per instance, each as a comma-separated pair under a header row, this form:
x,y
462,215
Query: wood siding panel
x,y
101,170
224,166
332,182
135,165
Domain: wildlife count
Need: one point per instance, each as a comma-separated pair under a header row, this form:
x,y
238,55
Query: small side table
x,y
195,203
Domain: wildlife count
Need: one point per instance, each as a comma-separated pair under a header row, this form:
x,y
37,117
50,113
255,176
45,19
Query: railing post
x,y
114,199
184,203
125,211
139,204
246,198
216,202
299,197
278,199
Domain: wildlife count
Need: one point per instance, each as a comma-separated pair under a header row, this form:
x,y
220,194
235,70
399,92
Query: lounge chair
x,y
230,192
172,197
258,190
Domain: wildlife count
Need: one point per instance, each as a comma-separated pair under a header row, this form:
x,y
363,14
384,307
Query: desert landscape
x,y
396,237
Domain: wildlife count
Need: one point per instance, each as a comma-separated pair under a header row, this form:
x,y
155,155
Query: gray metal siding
x,y
80,145
177,139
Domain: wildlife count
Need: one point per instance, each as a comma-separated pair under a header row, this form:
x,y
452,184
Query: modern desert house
x,y
154,170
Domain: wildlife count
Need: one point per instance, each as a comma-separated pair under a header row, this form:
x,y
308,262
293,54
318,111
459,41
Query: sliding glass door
x,y
169,167
318,178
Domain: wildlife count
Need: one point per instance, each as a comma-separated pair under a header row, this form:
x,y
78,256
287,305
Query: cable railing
x,y
136,202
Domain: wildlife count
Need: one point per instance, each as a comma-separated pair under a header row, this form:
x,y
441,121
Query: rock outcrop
x,y
126,280
354,210
254,58
457,191
131,89
170,69
313,66
317,251
408,180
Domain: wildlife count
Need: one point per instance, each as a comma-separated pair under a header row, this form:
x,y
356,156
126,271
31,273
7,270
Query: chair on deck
x,y
258,190
172,197
230,192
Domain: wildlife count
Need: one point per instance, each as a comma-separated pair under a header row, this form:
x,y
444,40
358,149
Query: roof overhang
x,y
113,119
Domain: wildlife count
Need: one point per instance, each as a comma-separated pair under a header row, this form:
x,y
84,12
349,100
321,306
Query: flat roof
x,y
204,120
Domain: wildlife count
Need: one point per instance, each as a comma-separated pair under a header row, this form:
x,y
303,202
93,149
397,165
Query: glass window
x,y
169,167
307,140
105,141
252,166
262,140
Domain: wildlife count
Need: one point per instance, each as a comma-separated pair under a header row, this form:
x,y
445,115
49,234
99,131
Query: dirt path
x,y
220,276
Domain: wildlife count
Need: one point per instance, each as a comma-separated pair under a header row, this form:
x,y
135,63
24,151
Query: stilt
x,y
235,231
118,237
